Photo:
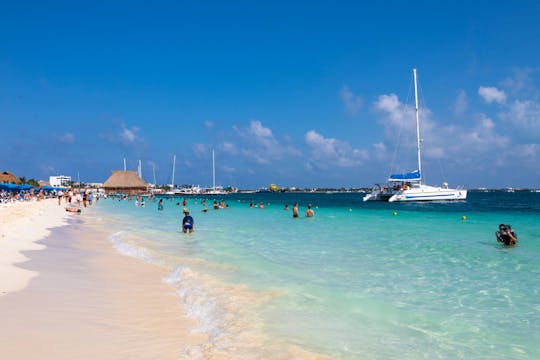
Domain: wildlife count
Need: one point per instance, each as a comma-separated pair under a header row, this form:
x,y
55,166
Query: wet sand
x,y
89,302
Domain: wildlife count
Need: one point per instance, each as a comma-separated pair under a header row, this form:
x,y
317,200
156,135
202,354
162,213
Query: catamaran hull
x,y
432,194
377,196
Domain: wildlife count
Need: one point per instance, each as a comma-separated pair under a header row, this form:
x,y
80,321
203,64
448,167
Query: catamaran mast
x,y
418,141
213,172
173,166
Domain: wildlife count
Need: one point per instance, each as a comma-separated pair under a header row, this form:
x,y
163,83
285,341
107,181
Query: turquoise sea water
x,y
355,282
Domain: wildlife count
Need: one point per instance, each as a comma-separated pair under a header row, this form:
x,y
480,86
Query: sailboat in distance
x,y
409,186
214,190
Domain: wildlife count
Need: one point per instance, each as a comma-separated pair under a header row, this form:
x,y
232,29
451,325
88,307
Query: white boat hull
x,y
428,193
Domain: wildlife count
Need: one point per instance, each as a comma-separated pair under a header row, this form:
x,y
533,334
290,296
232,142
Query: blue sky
x,y
314,93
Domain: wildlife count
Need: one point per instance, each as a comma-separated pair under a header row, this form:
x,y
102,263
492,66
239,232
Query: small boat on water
x,y
409,186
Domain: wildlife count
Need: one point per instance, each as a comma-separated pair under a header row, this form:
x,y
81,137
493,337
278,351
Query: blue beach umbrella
x,y
9,187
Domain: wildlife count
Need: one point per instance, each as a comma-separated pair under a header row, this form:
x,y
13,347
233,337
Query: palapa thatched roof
x,y
7,177
124,180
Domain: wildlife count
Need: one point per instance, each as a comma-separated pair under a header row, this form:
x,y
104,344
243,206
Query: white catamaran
x,y
409,186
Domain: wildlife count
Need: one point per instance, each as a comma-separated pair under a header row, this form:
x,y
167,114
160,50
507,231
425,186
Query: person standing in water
x,y
160,205
187,223
295,210
309,211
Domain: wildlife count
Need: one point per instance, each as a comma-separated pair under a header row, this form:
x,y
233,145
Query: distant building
x,y
126,182
59,181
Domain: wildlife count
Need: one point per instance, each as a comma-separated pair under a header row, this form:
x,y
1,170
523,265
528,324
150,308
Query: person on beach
x,y
506,235
60,196
295,210
142,203
79,199
187,223
90,198
85,199
69,195
160,205
309,211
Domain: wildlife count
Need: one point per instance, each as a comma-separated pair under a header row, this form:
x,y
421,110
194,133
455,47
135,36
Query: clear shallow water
x,y
356,281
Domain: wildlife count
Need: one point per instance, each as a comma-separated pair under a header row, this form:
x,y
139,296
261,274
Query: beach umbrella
x,y
25,187
9,187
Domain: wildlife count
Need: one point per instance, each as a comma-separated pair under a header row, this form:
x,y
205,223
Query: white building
x,y
59,181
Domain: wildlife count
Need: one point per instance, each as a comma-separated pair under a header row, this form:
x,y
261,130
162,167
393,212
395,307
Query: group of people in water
x,y
505,235
188,223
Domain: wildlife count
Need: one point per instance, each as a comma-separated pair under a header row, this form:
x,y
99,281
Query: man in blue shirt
x,y
187,223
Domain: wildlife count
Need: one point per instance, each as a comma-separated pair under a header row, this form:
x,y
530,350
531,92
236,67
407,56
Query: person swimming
x,y
506,235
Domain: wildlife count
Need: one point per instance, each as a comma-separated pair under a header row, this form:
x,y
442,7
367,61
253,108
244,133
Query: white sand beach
x,y
22,224
68,295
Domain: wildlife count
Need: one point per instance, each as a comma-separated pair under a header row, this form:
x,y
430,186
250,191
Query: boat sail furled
x,y
409,186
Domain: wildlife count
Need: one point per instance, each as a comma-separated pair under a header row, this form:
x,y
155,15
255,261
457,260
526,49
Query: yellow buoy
x,y
395,213
350,209
463,217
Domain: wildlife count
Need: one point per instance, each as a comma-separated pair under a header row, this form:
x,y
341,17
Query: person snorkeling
x,y
506,235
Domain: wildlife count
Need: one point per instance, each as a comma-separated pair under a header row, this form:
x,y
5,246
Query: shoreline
x,y
83,298
90,302
22,226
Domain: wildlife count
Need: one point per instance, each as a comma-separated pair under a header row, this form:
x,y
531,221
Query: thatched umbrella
x,y
127,182
10,178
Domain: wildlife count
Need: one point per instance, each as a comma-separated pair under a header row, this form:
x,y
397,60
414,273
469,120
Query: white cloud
x,y
380,150
327,152
228,147
228,169
524,114
67,138
461,103
261,145
209,125
128,135
352,102
491,94
449,142
521,82
201,150
398,119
